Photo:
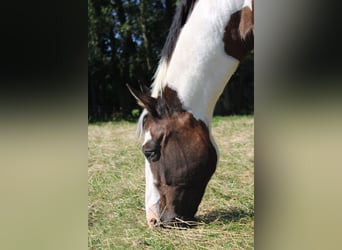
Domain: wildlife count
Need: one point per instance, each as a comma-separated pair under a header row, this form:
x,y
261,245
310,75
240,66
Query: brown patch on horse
x,y
181,155
239,33
187,161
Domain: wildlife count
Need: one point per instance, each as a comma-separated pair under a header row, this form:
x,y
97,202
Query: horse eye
x,y
151,155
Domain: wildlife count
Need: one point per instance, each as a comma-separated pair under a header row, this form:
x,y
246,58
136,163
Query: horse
x,y
206,41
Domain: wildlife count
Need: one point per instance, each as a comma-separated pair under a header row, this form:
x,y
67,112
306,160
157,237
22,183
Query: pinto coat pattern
x,y
206,42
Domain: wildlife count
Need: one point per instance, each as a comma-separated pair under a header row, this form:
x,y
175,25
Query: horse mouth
x,y
177,223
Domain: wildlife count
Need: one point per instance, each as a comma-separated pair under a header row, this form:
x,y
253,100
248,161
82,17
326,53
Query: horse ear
x,y
144,100
246,25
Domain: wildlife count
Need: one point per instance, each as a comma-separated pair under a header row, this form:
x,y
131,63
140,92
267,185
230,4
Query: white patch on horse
x,y
152,196
199,67
147,138
248,3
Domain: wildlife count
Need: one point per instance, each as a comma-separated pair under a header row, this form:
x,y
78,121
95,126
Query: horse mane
x,y
182,13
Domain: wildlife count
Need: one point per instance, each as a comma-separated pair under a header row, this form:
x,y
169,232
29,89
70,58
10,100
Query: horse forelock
x,y
140,127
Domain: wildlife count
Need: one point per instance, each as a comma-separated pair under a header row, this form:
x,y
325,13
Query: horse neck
x,y
200,88
199,68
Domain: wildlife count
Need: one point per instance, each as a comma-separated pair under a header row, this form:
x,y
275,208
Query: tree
x,y
124,42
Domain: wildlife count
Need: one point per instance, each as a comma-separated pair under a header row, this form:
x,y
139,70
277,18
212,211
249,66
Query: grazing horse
x,y
206,42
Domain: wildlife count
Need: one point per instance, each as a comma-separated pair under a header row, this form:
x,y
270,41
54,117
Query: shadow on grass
x,y
226,215
223,216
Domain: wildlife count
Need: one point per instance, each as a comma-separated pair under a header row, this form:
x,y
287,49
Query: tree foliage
x,y
125,38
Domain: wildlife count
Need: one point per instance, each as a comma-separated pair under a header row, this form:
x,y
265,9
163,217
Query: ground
x,y
116,183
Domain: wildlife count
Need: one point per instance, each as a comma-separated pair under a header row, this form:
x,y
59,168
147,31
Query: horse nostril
x,y
153,222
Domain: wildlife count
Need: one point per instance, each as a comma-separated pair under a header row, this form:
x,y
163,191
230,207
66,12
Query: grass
x,y
116,183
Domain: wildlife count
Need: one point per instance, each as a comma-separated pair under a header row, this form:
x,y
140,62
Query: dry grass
x,y
116,192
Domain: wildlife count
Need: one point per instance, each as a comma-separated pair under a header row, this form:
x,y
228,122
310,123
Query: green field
x,y
116,218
